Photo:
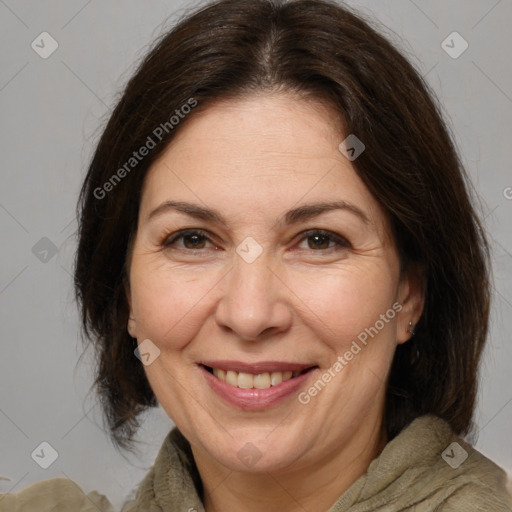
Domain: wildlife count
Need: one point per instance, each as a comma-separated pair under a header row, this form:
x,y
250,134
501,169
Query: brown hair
x,y
231,48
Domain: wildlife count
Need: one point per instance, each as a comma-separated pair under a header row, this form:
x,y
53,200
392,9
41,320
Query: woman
x,y
278,246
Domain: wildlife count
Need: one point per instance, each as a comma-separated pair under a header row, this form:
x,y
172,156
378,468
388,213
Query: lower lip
x,y
252,398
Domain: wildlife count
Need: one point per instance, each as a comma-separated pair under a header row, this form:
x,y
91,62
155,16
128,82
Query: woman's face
x,y
261,254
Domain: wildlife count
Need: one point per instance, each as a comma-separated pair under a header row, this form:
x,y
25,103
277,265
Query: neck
x,y
316,486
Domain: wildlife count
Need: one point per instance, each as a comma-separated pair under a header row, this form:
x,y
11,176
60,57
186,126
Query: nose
x,y
254,302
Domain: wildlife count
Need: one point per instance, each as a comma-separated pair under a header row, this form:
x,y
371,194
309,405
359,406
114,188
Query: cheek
x,y
341,304
168,304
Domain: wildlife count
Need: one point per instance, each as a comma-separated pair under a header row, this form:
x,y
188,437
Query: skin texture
x,y
304,299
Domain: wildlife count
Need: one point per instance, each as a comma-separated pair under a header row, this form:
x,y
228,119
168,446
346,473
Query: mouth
x,y
260,380
258,386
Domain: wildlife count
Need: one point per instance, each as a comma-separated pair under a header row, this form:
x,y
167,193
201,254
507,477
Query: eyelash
x,y
340,241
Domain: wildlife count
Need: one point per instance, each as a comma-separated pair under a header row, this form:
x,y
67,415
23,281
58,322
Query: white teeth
x,y
221,374
262,381
232,378
247,380
276,378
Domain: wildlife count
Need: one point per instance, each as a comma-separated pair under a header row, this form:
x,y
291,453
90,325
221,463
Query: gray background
x,y
51,115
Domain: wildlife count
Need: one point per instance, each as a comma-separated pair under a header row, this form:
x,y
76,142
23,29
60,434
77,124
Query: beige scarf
x,y
425,468
420,470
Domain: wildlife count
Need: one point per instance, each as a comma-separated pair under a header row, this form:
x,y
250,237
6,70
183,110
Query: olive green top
x,y
425,468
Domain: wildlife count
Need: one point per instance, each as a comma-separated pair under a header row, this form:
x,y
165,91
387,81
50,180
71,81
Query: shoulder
x,y
54,495
428,467
477,484
464,477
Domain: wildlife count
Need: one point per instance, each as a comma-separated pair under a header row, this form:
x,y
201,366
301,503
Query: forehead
x,y
274,127
258,154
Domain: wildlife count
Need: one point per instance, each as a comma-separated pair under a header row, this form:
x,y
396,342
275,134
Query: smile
x,y
247,380
258,386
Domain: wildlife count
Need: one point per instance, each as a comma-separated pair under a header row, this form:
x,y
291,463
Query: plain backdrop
x,y
51,113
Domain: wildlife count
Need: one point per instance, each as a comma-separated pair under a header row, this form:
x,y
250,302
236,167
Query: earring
x,y
411,328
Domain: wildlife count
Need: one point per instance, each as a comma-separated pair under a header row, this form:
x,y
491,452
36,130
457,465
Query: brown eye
x,y
191,240
320,240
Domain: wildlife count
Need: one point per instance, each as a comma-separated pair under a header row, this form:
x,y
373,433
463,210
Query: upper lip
x,y
259,367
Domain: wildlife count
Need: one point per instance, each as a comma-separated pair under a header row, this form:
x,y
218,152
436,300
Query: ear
x,y
132,324
132,327
411,295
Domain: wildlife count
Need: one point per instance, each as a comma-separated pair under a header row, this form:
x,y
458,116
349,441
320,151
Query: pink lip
x,y
255,399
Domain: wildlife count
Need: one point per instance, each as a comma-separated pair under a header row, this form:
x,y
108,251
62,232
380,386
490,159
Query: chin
x,y
253,450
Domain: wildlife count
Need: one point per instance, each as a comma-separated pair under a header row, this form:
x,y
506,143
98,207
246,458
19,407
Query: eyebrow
x,y
293,216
